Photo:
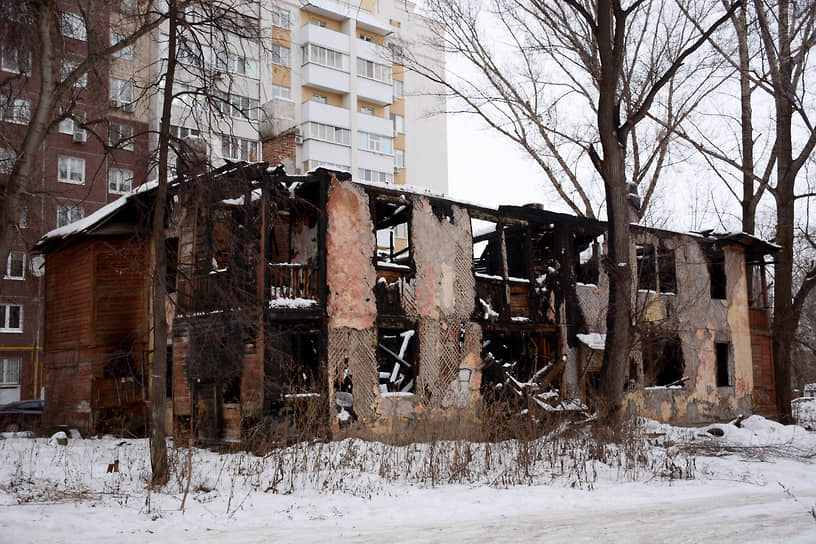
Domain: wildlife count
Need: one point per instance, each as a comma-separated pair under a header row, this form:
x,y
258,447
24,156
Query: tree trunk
x,y
158,383
611,24
746,122
36,133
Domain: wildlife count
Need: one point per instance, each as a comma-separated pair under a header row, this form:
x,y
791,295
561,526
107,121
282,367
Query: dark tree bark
x,y
158,382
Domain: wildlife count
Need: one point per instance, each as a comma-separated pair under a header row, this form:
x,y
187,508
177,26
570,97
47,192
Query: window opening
x,y
645,254
715,258
396,360
723,369
663,361
391,224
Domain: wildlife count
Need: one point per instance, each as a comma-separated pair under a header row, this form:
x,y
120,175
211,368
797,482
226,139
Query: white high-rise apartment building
x,y
329,80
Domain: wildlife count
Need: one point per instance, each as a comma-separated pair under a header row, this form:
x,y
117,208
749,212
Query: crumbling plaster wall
x,y
700,322
351,307
439,297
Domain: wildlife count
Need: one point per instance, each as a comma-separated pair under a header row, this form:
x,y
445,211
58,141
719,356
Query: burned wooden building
x,y
375,306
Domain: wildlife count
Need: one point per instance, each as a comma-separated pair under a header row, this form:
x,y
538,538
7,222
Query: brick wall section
x,y
281,150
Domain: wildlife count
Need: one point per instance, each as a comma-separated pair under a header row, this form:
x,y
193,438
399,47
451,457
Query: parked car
x,y
21,415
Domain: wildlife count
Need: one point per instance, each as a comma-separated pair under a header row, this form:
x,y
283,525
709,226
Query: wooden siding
x,y
69,297
120,293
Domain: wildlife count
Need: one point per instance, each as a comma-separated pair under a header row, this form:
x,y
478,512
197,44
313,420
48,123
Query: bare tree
x,y
583,74
37,31
775,39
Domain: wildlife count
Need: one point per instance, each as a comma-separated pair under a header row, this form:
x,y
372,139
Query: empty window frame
x,y
396,360
393,242
663,363
721,350
666,272
647,278
518,252
715,258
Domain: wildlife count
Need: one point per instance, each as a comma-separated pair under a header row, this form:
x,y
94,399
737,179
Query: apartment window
x,y
238,149
396,53
375,142
10,370
17,111
320,98
366,38
72,26
71,170
16,59
279,17
69,214
121,94
373,70
183,132
399,123
120,136
318,22
366,110
243,107
189,52
72,123
120,181
312,165
245,66
278,54
721,350
67,68
11,318
127,52
15,265
7,158
323,56
329,133
647,279
399,158
373,175
399,90
277,91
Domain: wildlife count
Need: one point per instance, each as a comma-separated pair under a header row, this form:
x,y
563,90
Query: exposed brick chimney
x,y
280,149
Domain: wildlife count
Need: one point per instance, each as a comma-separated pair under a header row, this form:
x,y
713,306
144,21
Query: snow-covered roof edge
x,y
99,216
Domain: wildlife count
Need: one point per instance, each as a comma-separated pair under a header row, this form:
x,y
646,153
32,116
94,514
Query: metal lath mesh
x,y
592,305
439,358
359,346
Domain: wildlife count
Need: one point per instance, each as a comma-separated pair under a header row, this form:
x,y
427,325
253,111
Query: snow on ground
x,y
756,483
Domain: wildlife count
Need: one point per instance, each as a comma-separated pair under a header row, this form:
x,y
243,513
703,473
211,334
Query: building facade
x,y
89,158
322,84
